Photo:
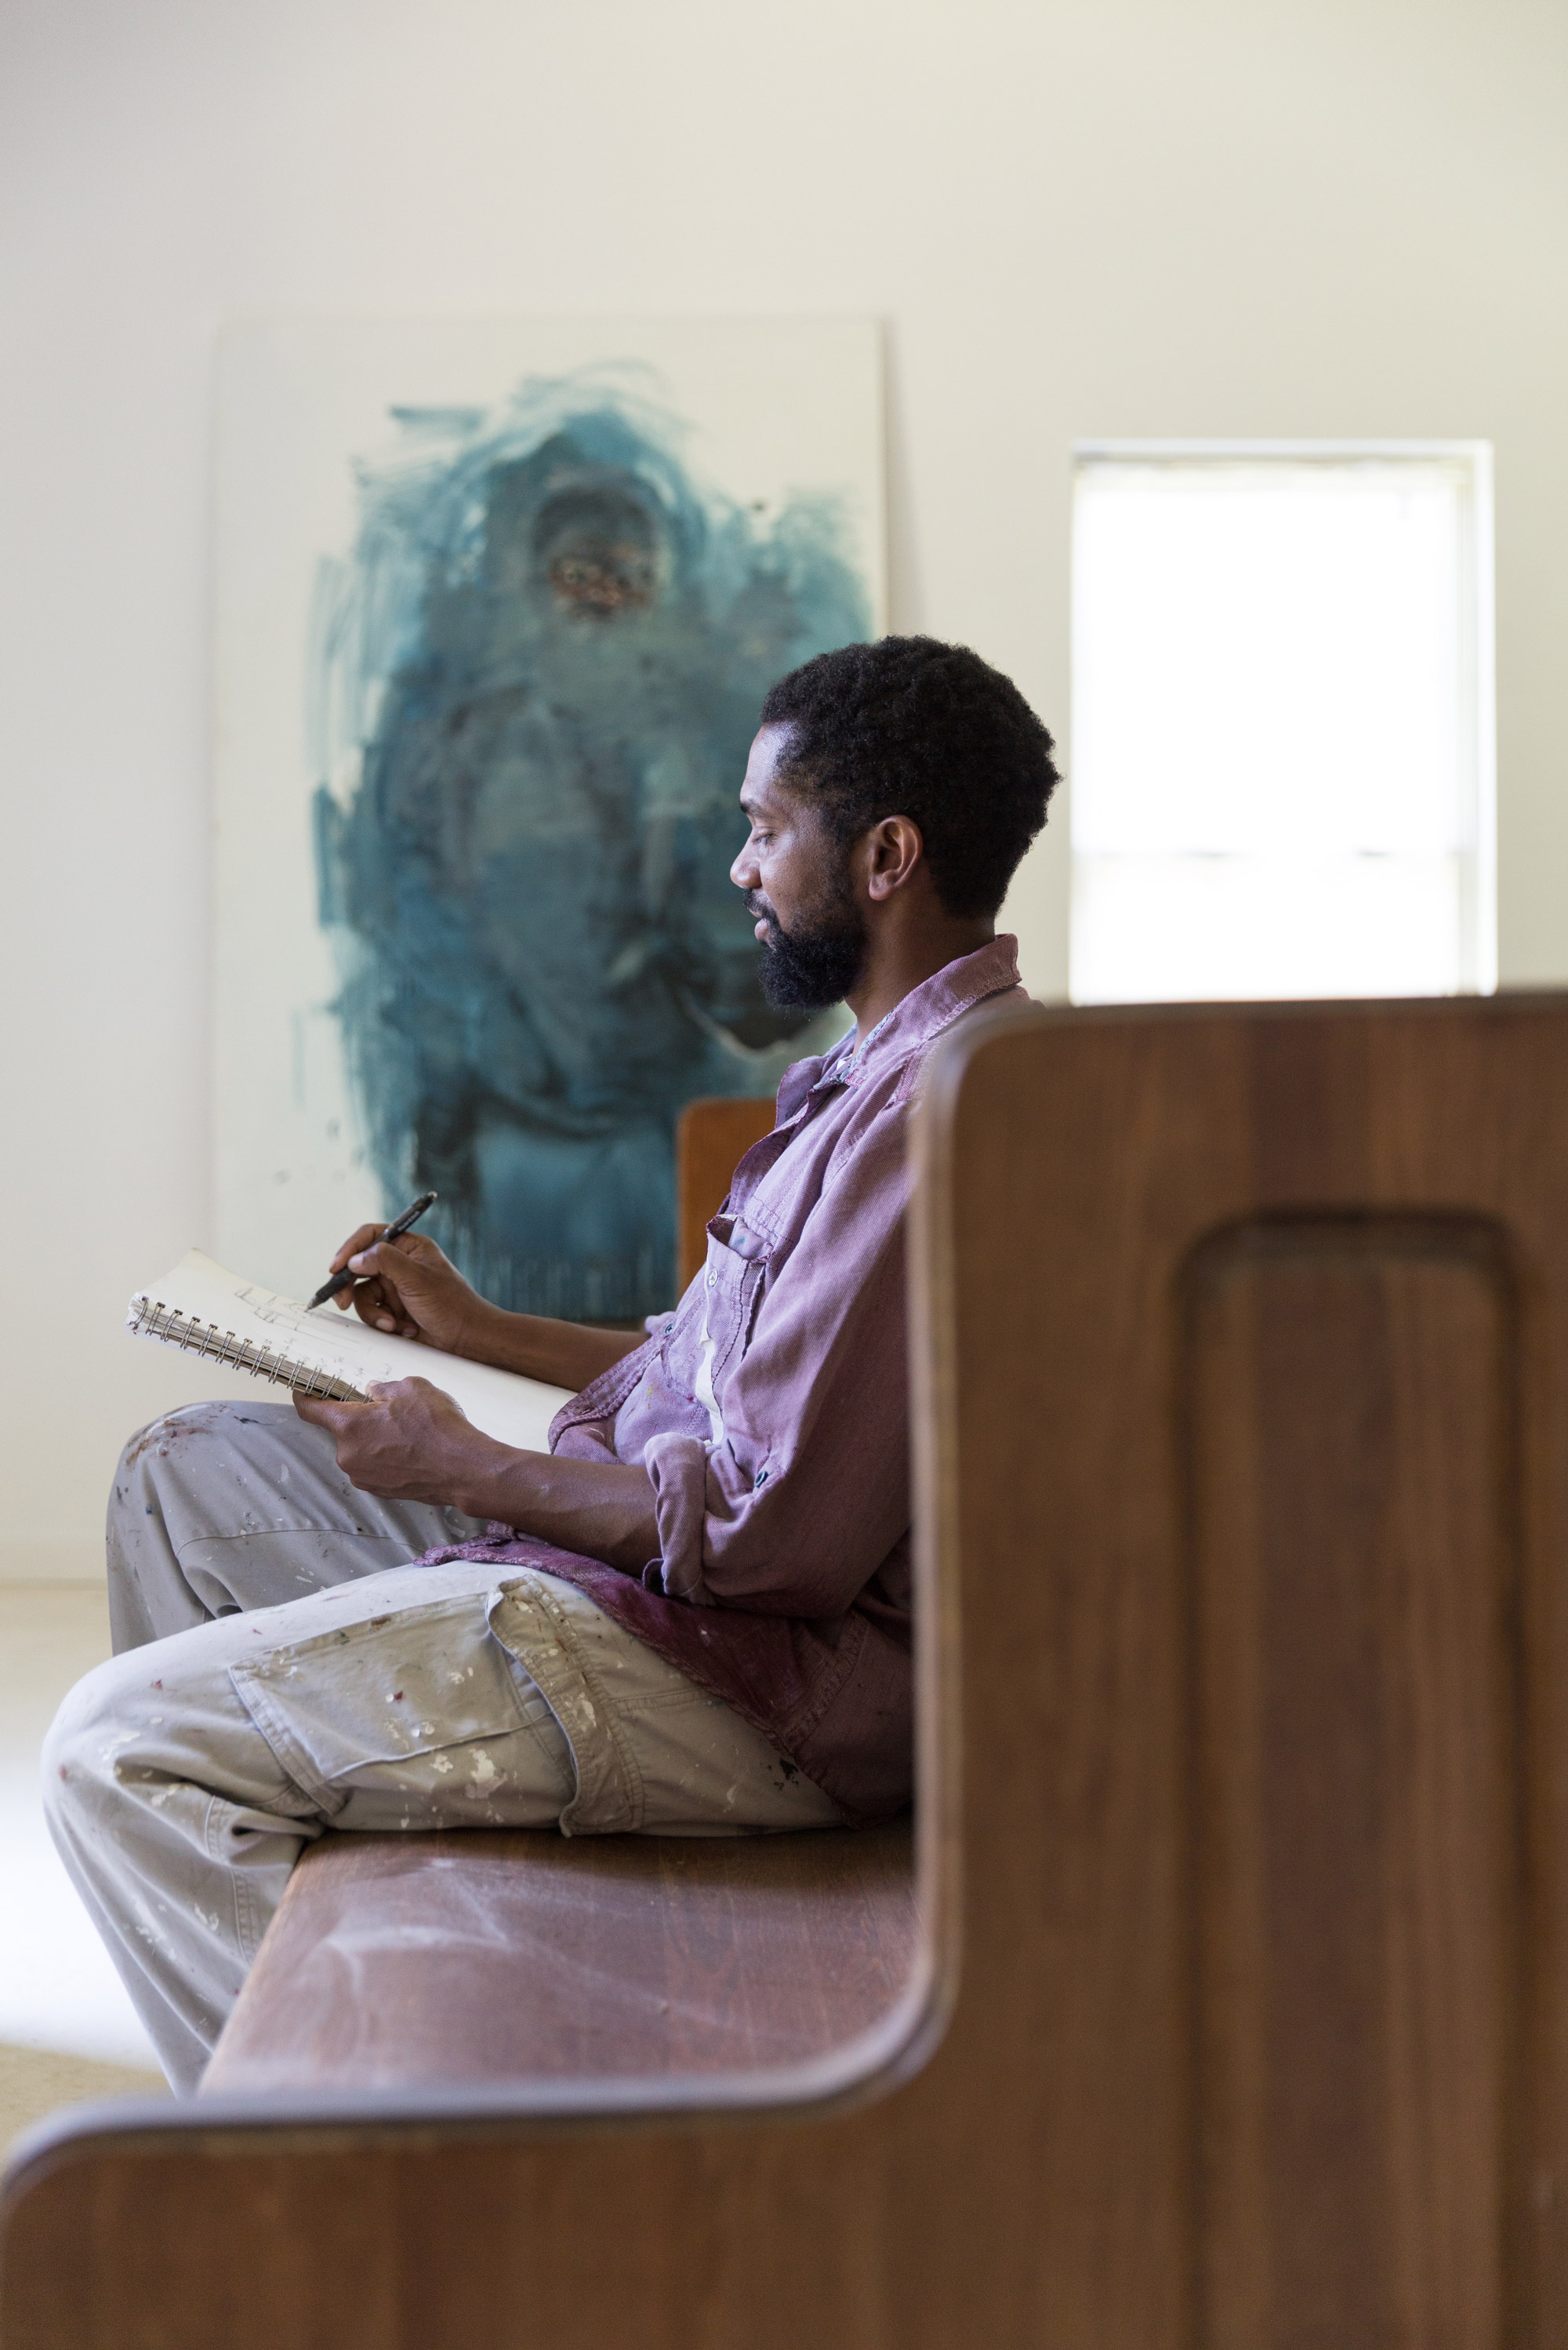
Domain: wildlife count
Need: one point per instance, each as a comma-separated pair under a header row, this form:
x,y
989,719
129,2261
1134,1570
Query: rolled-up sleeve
x,y
677,1468
809,1491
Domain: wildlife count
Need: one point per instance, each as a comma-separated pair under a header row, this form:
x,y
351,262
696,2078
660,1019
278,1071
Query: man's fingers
x,y
386,1273
399,1440
369,1298
325,1412
360,1239
377,1303
421,1248
378,1262
393,1261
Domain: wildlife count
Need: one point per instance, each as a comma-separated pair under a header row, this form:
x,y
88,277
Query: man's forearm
x,y
604,1509
562,1353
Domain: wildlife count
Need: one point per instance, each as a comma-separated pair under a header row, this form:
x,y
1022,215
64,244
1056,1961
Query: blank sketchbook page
x,y
516,1412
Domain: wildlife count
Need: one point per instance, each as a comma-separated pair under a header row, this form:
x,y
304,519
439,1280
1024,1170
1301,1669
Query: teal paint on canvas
x,y
553,644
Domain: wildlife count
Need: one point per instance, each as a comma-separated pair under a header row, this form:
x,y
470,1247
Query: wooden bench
x,y
1237,2017
492,1955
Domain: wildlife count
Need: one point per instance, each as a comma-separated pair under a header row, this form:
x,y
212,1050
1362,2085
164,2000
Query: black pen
x,y
346,1280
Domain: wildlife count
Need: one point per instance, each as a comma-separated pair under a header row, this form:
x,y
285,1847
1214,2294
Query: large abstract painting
x,y
498,605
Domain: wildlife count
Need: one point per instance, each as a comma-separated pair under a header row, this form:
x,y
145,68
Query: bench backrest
x,y
1250,1336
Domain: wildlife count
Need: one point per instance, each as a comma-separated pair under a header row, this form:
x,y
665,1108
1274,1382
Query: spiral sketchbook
x,y
205,1310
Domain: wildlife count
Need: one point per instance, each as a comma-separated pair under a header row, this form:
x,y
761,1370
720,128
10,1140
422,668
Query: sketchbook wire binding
x,y
149,1318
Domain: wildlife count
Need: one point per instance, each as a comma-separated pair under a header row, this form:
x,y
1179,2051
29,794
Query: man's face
x,y
796,880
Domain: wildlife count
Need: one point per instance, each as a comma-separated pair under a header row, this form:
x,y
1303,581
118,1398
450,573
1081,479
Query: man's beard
x,y
818,961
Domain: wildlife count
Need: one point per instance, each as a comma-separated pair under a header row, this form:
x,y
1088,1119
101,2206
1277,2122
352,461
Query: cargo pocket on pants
x,y
528,1615
384,1690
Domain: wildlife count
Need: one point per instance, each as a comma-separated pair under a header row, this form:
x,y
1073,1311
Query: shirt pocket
x,y
381,1691
735,1273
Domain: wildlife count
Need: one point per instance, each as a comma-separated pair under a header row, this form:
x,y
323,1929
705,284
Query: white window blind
x,y
1282,749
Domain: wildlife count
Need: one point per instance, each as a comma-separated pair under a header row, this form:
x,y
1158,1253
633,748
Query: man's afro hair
x,y
910,726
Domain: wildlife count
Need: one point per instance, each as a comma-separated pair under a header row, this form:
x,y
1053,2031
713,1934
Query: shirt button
x,y
759,1480
712,1281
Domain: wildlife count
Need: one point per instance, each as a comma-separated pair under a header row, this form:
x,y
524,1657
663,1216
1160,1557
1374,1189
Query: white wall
x,y
1231,217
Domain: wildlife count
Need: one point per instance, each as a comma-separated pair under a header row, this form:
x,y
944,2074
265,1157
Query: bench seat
x,y
494,1954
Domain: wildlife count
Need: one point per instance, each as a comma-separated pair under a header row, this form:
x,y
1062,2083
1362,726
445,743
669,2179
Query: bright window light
x,y
1283,765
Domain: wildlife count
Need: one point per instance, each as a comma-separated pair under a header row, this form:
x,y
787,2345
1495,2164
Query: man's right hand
x,y
409,1287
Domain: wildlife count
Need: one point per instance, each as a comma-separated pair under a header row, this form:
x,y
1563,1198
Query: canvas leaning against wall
x,y
497,605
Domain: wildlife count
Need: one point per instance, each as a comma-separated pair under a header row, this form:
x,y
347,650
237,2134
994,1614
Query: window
x,y
1282,765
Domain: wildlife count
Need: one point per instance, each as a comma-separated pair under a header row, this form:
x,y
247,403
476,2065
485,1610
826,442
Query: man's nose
x,y
744,873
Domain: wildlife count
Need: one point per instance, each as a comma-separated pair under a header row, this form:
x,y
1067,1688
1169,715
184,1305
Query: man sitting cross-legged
x,y
692,1615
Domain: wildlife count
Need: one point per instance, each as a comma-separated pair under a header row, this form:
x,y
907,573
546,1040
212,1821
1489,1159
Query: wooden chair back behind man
x,y
712,1138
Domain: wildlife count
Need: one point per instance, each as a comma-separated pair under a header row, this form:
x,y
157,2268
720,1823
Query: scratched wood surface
x,y
496,1954
712,1138
1240,1340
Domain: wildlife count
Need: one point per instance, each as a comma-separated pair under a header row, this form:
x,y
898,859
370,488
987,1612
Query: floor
x,y
68,2031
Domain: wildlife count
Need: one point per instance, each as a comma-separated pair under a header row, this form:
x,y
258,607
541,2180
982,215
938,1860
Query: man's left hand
x,y
411,1442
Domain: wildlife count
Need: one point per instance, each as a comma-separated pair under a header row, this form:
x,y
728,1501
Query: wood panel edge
x,y
932,1259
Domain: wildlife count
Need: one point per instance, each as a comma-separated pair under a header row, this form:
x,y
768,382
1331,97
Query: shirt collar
x,y
922,1016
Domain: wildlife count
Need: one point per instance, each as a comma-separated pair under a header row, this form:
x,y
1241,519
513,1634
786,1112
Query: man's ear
x,y
895,851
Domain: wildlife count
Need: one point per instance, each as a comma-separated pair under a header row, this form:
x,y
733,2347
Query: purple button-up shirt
x,y
771,1412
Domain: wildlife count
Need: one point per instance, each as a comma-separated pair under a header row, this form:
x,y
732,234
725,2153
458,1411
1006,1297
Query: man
x,y
692,1615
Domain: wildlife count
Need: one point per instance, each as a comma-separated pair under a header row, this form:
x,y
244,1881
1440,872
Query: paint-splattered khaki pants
x,y
283,1670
